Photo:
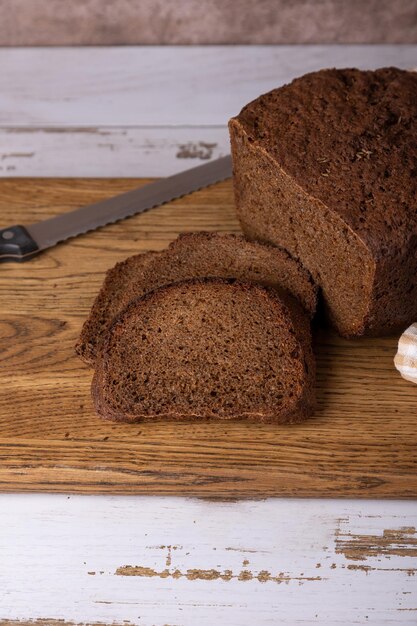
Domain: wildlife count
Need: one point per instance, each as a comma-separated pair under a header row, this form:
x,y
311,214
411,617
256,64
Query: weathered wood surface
x,y
144,111
361,443
108,151
159,561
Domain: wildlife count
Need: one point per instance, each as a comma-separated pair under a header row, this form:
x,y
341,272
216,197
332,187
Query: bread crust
x,y
192,255
105,305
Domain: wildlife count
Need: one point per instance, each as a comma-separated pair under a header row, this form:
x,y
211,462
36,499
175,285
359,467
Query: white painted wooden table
x,y
144,111
190,562
146,560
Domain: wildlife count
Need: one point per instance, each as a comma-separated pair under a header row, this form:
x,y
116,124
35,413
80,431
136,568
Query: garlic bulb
x,y
406,358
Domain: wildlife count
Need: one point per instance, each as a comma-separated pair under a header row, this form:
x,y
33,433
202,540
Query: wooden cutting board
x,y
362,441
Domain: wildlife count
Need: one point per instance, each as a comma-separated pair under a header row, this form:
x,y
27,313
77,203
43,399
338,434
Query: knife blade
x,y
21,243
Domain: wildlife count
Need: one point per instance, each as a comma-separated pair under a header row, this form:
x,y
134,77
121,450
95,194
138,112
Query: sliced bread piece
x,y
106,306
326,167
193,255
207,348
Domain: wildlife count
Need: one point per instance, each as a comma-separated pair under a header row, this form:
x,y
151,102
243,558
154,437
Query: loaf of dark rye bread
x,y
207,348
192,255
326,167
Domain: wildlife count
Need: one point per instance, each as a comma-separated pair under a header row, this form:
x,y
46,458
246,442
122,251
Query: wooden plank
x,y
361,443
160,86
108,151
169,561
142,111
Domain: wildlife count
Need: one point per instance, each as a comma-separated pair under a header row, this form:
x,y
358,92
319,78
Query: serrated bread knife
x,y
20,243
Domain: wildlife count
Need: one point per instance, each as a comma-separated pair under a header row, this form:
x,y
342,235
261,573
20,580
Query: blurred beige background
x,y
107,22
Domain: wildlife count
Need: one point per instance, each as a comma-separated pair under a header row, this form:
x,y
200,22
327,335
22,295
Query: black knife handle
x,y
16,244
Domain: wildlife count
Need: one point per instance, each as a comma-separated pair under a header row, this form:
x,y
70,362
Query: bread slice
x,y
193,255
117,284
207,348
326,167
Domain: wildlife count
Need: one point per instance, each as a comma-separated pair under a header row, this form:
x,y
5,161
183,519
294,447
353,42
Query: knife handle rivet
x,y
8,234
16,244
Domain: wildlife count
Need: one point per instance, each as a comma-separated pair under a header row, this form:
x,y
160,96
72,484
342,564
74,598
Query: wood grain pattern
x,y
163,85
361,442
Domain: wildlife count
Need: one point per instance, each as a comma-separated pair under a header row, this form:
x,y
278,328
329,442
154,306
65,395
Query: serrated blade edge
x,y
48,233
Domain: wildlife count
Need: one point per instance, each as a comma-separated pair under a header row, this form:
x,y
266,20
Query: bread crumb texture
x,y
207,348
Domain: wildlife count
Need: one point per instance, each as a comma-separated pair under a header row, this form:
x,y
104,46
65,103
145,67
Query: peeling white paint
x,y
108,152
144,111
187,562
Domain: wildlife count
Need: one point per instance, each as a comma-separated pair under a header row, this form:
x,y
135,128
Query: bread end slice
x,y
114,295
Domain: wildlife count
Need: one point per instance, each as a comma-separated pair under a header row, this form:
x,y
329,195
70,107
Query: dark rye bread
x,y
107,303
326,167
207,348
193,255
